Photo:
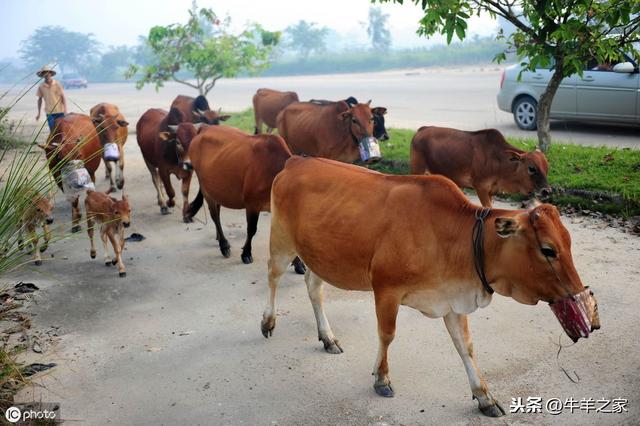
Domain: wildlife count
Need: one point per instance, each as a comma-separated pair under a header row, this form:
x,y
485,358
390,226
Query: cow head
x,y
121,210
359,118
178,139
44,209
379,131
107,127
210,117
530,174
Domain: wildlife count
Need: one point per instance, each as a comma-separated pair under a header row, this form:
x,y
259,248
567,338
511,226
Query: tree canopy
x,y
561,34
306,37
204,48
377,30
55,44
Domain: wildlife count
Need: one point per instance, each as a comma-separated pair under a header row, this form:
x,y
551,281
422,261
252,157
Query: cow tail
x,y
196,204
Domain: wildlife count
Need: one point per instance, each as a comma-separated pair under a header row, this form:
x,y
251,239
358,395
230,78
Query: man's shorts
x,y
51,118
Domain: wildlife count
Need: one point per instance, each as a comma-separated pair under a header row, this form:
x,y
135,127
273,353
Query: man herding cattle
x,y
55,103
409,240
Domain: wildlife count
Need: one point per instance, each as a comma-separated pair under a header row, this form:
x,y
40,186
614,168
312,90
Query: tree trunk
x,y
544,106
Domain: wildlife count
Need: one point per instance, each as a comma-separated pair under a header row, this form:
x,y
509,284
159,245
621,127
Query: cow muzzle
x,y
369,149
49,220
544,192
578,314
187,166
126,224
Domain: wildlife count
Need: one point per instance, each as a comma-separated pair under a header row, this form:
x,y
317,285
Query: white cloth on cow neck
x,y
75,179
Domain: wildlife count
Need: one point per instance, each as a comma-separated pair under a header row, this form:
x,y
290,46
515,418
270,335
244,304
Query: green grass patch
x,y
603,171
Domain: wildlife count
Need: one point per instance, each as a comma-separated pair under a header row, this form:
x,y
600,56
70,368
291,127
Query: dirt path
x,y
178,341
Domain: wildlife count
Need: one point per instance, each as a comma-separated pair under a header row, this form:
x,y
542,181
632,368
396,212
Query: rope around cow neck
x,y
477,242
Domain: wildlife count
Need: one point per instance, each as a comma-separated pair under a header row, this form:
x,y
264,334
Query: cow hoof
x,y
187,219
246,258
120,185
75,229
267,327
123,274
164,210
38,262
225,248
92,254
171,202
43,249
114,261
332,346
384,390
298,266
111,190
108,263
493,410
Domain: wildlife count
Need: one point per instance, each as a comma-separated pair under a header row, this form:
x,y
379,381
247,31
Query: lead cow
x,y
482,160
106,116
408,239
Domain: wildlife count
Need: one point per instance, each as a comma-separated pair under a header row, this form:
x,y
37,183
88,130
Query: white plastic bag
x,y
111,152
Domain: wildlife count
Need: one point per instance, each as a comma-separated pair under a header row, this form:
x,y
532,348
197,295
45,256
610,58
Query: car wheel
x,y
525,113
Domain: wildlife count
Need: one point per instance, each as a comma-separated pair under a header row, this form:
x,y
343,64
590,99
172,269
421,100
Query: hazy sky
x,y
116,22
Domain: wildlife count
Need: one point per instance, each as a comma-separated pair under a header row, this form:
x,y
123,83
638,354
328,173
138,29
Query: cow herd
x,y
413,240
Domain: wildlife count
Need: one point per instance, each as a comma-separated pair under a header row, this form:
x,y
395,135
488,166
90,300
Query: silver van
x,y
605,93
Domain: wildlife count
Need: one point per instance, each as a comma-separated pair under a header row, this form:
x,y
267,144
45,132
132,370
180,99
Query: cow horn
x,y
369,103
198,125
173,128
219,110
200,112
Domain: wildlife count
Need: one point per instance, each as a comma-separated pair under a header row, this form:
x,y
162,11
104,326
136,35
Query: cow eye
x,y
532,170
353,120
548,252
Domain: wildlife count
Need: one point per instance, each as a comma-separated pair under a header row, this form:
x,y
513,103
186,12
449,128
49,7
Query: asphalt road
x,y
463,98
178,340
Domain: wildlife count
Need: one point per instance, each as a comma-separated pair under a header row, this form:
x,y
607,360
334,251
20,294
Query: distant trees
x,y
55,44
377,30
203,47
306,38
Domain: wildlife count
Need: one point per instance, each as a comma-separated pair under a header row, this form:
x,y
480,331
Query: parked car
x,y
73,80
604,93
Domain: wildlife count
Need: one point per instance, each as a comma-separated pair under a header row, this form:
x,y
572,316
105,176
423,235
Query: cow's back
x,y
268,103
147,130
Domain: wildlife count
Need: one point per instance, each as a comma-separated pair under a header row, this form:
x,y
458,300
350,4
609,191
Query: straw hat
x,y
46,69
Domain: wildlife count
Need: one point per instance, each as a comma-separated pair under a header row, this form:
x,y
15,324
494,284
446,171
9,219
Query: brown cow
x,y
409,240
164,141
330,131
379,129
267,103
38,213
235,170
104,116
481,160
113,215
196,110
74,137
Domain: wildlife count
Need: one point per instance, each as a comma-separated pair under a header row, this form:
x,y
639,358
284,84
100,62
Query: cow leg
x,y
418,163
75,215
458,329
252,228
277,266
155,178
36,249
225,248
103,236
47,237
325,334
120,181
386,313
485,197
118,252
109,165
90,226
171,194
186,182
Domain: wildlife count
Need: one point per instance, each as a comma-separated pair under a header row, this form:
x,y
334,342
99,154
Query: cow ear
x,y
344,115
224,117
379,110
506,226
514,156
123,123
164,136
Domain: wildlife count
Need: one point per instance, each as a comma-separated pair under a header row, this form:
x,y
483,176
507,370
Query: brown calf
x,y
38,214
409,240
481,160
113,215
267,104
107,118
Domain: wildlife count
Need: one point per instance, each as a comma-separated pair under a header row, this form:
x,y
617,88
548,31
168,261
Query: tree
x,y
306,37
562,34
205,48
54,44
377,30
